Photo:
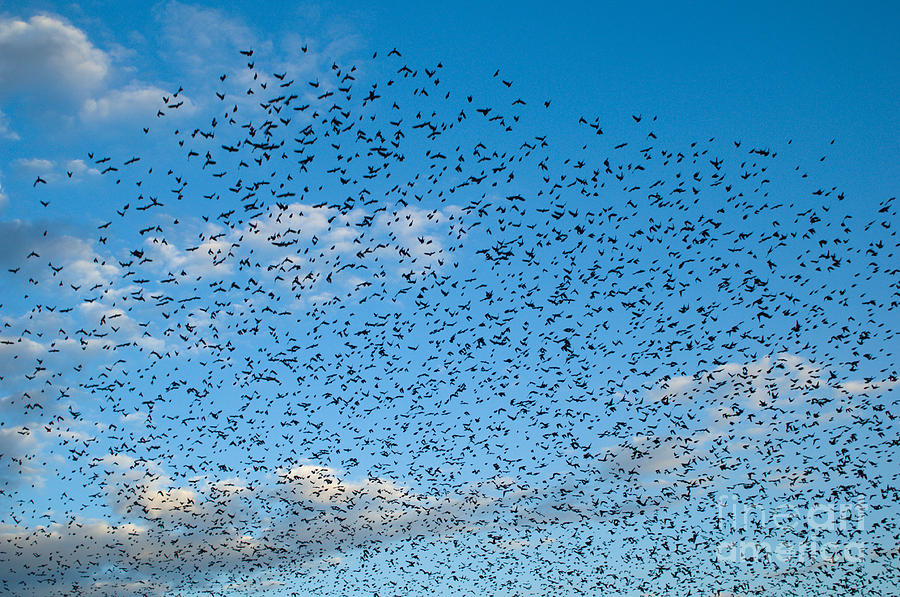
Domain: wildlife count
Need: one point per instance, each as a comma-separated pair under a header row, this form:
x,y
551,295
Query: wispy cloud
x,y
6,131
4,198
203,40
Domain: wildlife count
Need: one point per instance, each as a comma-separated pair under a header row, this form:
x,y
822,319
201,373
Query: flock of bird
x,y
366,333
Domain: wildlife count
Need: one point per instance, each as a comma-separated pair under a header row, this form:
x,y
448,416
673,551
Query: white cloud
x,y
56,65
206,258
18,465
12,348
46,53
135,100
79,167
316,252
753,383
80,263
305,516
203,39
339,253
34,165
5,131
738,410
54,171
868,387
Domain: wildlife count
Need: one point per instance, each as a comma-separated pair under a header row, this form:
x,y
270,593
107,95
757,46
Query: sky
x,y
644,304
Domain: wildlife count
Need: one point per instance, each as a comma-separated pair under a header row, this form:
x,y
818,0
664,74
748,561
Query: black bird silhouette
x,y
365,338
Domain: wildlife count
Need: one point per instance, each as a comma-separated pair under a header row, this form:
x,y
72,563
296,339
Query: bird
x,y
342,340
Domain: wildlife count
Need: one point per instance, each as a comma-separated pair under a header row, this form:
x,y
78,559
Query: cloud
x,y
228,531
51,248
206,258
56,65
704,427
868,387
343,250
203,42
79,167
17,462
135,100
314,251
145,491
13,348
39,347
33,165
753,384
71,170
203,39
5,131
45,53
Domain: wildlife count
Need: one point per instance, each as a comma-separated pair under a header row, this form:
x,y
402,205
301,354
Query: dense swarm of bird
x,y
368,334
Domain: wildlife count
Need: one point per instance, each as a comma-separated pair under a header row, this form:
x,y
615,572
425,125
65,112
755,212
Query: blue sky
x,y
465,355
